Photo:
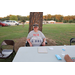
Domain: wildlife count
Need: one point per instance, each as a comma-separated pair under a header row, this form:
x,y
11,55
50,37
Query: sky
x,y
4,14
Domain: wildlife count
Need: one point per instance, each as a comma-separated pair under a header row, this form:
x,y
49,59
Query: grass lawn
x,y
13,32
60,33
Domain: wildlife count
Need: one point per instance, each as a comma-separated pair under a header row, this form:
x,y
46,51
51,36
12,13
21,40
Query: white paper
x,y
42,50
50,48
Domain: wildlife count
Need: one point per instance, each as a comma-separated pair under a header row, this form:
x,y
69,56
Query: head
x,y
35,27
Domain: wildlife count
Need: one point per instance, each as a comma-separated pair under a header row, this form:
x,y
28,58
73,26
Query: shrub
x,y
70,21
65,21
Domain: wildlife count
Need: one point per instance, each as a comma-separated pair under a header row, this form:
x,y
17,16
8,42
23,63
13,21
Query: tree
x,y
13,17
19,17
23,20
65,21
36,17
70,21
57,20
3,19
61,18
27,18
49,17
74,21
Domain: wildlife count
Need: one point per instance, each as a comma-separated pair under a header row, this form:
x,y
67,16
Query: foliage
x,y
73,21
13,17
70,21
23,19
65,21
57,18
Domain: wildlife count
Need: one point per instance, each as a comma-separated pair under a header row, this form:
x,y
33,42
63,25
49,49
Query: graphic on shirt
x,y
35,34
36,38
36,41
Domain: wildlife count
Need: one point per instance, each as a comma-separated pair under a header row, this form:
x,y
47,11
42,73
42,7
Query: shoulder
x,y
40,31
31,31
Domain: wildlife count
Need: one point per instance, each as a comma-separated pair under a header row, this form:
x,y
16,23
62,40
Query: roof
x,y
51,21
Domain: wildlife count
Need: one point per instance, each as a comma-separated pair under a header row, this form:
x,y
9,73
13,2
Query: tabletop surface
x,y
31,54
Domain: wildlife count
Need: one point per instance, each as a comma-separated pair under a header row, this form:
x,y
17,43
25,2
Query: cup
x,y
64,50
64,47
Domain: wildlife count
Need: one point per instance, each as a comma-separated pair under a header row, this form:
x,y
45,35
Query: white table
x,y
30,54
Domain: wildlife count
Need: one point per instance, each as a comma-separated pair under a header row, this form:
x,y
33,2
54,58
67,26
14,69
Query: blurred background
x,y
48,17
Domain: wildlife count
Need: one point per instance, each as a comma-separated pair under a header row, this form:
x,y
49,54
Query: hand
x,y
43,43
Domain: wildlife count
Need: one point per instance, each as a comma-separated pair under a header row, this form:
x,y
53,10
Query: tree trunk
x,y
23,24
36,17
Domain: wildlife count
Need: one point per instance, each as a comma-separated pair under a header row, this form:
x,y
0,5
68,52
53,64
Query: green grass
x,y
61,33
13,32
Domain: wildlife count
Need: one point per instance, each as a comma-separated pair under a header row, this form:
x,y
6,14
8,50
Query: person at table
x,y
36,37
67,58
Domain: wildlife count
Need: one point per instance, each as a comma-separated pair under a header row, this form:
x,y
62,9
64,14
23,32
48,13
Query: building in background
x,y
51,22
27,22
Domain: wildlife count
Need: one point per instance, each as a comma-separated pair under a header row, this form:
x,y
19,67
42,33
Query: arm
x,y
44,41
29,37
29,42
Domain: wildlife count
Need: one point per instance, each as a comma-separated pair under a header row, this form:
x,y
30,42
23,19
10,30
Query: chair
x,y
27,44
72,40
5,53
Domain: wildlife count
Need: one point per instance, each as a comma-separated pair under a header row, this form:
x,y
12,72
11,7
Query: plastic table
x,y
30,54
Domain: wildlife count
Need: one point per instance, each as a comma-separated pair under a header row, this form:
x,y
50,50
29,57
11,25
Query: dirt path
x,y
21,42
